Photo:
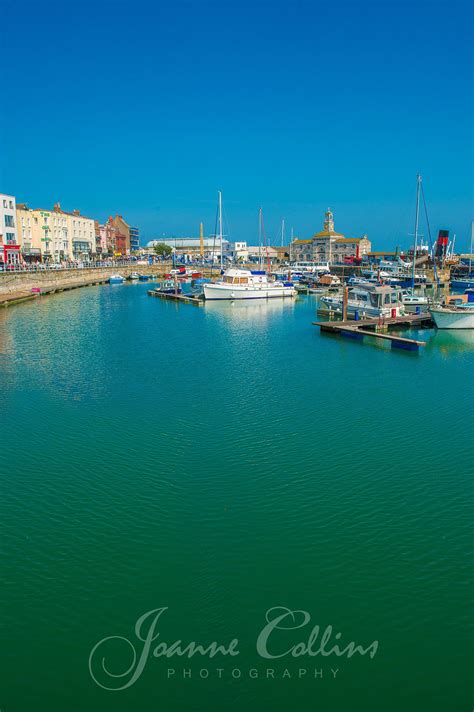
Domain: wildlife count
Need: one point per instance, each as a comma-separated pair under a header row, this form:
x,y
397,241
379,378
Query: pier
x,y
378,328
175,297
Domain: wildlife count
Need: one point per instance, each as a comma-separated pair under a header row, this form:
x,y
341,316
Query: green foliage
x,y
163,250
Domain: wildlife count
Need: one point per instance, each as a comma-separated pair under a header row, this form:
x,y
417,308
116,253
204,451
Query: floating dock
x,y
378,327
174,297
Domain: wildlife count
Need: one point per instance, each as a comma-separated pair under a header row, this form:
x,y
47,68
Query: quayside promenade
x,y
15,286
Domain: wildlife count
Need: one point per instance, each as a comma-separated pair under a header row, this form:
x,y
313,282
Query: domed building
x,y
329,245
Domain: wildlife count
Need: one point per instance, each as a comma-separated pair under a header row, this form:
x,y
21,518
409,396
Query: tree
x,y
163,250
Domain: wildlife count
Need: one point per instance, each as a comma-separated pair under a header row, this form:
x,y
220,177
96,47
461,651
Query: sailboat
x,y
244,283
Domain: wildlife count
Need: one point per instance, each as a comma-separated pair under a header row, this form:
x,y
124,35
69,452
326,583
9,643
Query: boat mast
x,y
417,217
470,249
282,232
220,223
260,237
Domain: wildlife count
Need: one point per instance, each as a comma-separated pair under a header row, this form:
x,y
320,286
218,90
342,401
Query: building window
x,y
4,203
9,222
11,204
10,238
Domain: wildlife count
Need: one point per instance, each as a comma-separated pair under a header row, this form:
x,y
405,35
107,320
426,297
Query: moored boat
x,y
466,282
247,284
116,279
414,302
169,286
368,300
459,316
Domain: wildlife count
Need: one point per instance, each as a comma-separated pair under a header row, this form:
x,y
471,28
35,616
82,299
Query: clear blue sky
x,y
147,109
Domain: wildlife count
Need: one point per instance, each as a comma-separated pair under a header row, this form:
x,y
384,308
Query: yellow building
x,y
33,232
54,235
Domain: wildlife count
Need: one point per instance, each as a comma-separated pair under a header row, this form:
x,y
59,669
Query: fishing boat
x,y
116,279
247,284
368,300
143,277
134,276
449,316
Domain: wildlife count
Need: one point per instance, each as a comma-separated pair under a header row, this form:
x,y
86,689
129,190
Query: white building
x,y
191,246
9,247
236,251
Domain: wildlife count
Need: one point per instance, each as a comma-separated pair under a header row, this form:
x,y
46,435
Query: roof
x,y
350,239
301,242
73,215
327,233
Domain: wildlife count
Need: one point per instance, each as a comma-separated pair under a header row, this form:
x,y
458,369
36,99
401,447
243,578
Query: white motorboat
x,y
413,301
368,300
247,284
116,279
460,316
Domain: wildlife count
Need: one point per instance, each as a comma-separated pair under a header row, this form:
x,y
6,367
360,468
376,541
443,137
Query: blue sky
x,y
147,109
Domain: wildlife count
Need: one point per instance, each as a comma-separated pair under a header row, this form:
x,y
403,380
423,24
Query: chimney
x,y
76,211
57,207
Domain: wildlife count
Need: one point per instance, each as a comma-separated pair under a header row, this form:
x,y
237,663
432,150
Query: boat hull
x,y
233,292
462,283
448,319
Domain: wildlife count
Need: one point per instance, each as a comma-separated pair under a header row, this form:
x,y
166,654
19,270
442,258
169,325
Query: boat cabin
x,y
376,296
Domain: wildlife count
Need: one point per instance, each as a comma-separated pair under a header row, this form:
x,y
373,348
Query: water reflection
x,y
250,310
451,340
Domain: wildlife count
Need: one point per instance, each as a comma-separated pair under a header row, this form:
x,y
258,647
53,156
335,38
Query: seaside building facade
x,y
329,245
9,245
54,235
237,251
134,239
122,236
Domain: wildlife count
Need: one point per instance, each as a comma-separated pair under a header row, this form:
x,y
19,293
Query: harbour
x,y
167,459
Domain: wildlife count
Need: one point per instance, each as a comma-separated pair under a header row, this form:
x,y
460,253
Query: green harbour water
x,y
223,461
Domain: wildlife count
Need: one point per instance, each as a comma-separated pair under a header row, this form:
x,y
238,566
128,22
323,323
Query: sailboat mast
x,y
260,237
220,223
470,249
417,218
283,232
